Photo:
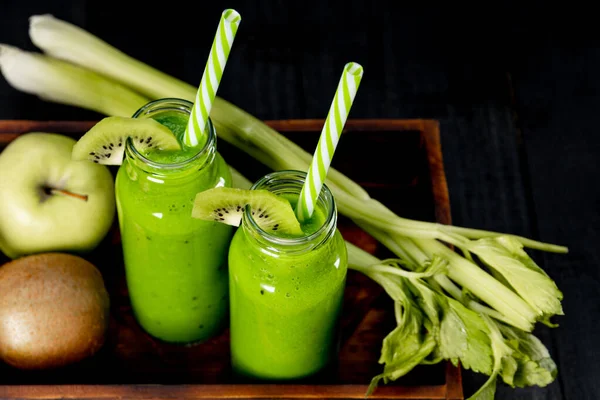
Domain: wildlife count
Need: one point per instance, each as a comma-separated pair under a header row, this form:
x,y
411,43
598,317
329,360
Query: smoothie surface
x,y
177,123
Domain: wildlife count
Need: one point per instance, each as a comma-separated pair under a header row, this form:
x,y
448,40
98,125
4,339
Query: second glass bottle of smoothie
x,y
176,266
286,294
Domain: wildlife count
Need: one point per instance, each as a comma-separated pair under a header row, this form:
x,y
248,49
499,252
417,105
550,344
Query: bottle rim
x,y
291,182
172,104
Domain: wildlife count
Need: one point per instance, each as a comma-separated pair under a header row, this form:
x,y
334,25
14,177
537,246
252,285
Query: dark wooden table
x,y
516,91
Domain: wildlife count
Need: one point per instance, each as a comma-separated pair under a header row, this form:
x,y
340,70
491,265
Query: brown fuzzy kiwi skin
x,y
54,311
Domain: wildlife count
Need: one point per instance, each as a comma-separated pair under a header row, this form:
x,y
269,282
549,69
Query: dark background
x,y
515,88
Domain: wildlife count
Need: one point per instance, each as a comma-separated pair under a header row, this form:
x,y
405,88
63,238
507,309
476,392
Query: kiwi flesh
x,y
227,205
104,143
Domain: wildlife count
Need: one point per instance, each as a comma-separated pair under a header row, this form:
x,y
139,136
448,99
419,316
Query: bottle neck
x,y
290,183
188,167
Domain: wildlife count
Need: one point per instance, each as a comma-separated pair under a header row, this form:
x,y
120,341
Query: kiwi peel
x,y
54,311
272,213
104,143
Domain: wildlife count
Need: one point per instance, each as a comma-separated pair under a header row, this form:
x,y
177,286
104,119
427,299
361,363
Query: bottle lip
x,y
172,104
291,182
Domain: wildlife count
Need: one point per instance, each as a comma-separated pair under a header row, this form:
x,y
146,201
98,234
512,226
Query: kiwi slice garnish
x,y
227,205
104,143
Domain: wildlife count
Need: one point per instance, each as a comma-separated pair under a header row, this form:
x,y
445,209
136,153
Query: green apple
x,y
49,202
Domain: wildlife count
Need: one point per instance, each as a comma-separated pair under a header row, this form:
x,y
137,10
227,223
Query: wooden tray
x,y
399,162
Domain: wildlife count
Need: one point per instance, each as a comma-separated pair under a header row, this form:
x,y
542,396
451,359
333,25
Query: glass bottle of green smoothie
x,y
286,293
175,265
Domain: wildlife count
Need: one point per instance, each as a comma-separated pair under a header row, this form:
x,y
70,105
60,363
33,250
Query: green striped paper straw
x,y
219,52
330,135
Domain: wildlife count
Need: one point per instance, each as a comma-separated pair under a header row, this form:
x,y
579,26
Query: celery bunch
x,y
476,307
438,321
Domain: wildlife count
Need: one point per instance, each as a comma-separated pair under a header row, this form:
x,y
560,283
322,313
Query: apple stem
x,y
63,192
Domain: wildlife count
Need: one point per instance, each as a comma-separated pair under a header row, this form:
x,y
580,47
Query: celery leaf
x,y
500,351
464,337
505,254
411,341
534,366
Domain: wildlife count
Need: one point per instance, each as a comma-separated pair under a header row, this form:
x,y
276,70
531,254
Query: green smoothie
x,y
176,266
176,122
286,299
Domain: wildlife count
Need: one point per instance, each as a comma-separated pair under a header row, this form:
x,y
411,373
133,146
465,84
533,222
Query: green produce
x,y
434,326
66,83
485,287
54,310
50,202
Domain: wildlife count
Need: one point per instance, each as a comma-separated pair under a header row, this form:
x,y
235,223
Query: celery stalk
x,y
239,180
68,42
62,82
458,295
357,256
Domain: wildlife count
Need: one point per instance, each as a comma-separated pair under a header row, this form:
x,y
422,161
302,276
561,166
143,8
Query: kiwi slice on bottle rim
x,y
227,205
104,143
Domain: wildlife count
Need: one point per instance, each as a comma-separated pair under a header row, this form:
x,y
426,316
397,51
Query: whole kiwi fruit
x,y
54,310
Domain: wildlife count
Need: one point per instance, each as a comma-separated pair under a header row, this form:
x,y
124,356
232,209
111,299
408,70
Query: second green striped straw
x,y
219,52
330,135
